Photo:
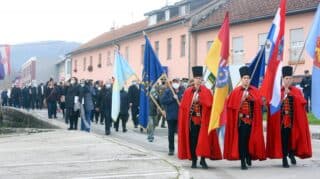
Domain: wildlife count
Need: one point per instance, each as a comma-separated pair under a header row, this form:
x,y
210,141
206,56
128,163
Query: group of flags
x,y
217,69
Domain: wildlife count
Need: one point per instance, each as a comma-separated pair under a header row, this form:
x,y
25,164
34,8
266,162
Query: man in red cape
x,y
244,133
193,122
288,129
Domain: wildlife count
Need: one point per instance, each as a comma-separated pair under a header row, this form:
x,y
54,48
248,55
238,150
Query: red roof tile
x,y
244,10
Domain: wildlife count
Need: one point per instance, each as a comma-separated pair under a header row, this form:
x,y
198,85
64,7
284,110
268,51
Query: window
x,y
183,10
183,46
262,40
68,71
84,63
209,44
142,54
169,48
167,15
100,58
90,60
237,50
156,47
127,53
152,19
109,58
296,44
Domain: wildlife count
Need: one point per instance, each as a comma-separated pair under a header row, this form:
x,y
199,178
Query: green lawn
x,y
313,119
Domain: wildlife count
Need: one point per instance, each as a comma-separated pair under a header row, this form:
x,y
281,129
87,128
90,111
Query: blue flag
x,y
257,68
152,71
313,49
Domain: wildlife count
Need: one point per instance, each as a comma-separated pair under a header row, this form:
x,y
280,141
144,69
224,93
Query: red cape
x,y
256,140
300,141
208,145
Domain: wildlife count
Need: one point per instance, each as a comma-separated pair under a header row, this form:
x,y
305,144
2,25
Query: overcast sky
x,y
69,20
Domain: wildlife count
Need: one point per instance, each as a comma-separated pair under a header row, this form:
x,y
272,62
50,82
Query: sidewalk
x,y
75,154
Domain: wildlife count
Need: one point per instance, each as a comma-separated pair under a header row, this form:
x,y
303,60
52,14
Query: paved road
x,y
309,168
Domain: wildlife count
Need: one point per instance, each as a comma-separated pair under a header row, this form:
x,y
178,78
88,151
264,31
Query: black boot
x,y
243,165
292,159
248,160
194,164
285,162
203,163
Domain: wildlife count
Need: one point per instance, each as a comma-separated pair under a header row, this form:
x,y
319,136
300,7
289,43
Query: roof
x,y
112,35
242,11
135,29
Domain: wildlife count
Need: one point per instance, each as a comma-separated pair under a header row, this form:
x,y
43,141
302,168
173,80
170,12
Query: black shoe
x,y
69,128
203,163
124,130
292,160
141,129
243,165
117,129
135,126
194,164
171,152
285,163
248,160
108,133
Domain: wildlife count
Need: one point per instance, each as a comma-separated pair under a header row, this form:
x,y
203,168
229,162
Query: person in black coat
x,y
33,95
96,112
123,114
4,97
105,102
306,86
26,97
134,98
72,103
16,96
40,95
51,96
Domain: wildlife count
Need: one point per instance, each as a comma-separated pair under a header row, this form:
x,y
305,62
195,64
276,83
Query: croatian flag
x,y
271,85
4,61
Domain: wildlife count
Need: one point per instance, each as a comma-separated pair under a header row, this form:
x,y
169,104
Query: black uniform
x,y
123,114
306,86
134,98
105,102
72,114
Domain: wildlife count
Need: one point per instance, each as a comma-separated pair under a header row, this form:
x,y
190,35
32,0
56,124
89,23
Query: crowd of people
x,y
185,105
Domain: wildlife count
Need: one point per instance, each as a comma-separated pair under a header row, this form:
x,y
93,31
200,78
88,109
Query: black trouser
x,y
73,117
5,102
244,131
285,140
96,116
172,129
134,113
52,109
194,134
307,96
107,122
124,119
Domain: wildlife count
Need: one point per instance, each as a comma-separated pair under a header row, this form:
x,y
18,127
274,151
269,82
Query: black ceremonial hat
x,y
286,71
197,71
244,71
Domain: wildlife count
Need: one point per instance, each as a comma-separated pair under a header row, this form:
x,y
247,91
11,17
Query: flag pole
x,y
300,56
172,90
152,97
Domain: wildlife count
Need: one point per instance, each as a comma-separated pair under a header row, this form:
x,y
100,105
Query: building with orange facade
x,y
182,33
